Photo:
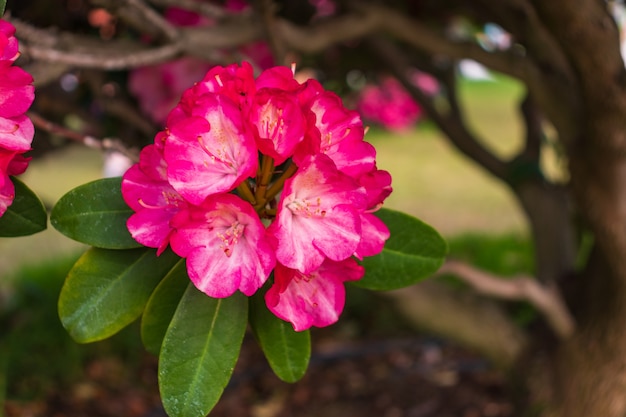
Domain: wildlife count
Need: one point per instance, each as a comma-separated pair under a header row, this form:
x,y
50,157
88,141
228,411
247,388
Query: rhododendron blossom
x,y
16,130
313,299
225,230
389,104
318,216
258,175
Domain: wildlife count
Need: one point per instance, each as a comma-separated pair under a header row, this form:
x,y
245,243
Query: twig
x,y
450,121
534,129
203,8
154,18
267,11
243,28
140,15
103,59
105,144
545,299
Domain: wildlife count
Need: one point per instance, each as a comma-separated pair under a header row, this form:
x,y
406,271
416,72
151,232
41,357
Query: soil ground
x,y
406,376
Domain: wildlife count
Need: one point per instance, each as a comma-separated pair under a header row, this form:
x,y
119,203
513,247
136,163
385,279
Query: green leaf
x,y
161,307
287,351
95,213
413,252
3,5
199,351
107,289
26,216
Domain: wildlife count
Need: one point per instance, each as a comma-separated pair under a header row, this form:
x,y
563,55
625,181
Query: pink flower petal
x,y
225,245
377,184
16,133
8,43
234,81
152,198
210,154
7,190
279,123
7,195
313,299
279,78
340,133
374,235
18,164
16,92
318,216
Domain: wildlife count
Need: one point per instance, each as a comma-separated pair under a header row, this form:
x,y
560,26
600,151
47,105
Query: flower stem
x,y
245,192
278,184
267,169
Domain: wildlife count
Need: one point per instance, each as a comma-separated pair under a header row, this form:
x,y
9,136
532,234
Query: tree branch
x,y
534,129
88,52
105,144
141,16
509,62
463,317
267,11
451,123
522,288
106,60
205,9
366,20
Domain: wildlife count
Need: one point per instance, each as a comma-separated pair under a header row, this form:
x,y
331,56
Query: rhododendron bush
x,y
255,205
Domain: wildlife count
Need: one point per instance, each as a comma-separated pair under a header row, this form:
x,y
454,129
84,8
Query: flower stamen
x,y
230,237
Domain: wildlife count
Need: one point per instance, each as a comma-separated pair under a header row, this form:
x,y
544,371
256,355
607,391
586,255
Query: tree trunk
x,y
590,368
586,375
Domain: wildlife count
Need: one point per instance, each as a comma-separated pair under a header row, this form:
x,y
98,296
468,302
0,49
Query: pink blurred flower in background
x,y
159,87
16,130
388,104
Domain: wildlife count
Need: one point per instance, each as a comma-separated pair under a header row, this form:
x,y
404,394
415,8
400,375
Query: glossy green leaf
x,y
108,289
199,351
26,216
287,351
161,307
3,4
95,213
413,252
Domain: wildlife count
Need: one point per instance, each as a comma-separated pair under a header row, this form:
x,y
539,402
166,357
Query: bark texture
x,y
576,82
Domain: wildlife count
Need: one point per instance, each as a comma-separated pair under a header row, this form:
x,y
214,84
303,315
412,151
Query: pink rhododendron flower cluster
x,y
389,105
16,130
258,175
